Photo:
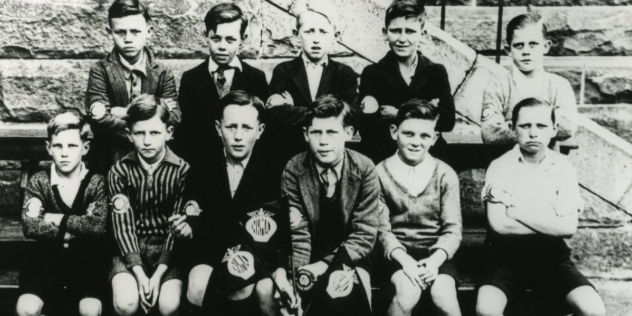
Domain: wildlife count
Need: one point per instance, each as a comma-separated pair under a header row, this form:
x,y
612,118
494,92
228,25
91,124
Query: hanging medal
x,y
192,208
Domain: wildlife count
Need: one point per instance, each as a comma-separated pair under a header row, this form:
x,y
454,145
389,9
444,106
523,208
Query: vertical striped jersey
x,y
141,202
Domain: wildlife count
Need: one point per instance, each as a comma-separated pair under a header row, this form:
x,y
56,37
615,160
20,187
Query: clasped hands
x,y
421,273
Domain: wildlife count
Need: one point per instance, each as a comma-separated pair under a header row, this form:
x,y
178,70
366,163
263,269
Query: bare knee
x,y
406,294
198,281
29,305
264,288
90,307
443,293
125,294
169,300
491,301
586,302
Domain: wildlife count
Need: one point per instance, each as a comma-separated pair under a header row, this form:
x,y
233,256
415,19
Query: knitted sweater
x,y
431,220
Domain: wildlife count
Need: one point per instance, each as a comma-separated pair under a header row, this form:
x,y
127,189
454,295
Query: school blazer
x,y
384,82
196,135
207,184
360,191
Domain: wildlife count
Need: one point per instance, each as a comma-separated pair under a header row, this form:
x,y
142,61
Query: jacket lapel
x,y
325,79
350,186
310,189
421,75
300,78
206,83
249,179
117,78
221,175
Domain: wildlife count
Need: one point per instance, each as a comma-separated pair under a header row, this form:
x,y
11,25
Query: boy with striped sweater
x,y
146,189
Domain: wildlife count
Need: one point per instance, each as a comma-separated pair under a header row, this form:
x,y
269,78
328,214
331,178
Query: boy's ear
x,y
262,127
218,127
547,46
349,132
86,147
129,135
295,32
244,37
510,124
384,31
48,148
170,130
305,134
436,136
508,50
150,31
394,131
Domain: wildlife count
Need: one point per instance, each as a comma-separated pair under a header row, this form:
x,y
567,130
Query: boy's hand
x,y
429,272
68,236
280,277
388,111
317,269
118,111
143,287
411,270
369,105
154,289
54,219
179,227
280,99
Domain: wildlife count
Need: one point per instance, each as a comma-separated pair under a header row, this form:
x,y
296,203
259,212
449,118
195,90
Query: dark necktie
x,y
329,178
219,75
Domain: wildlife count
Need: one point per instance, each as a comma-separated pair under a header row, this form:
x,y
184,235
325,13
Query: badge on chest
x,y
341,282
240,263
33,207
261,226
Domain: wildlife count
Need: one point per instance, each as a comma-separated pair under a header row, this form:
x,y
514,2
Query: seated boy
x,y
230,182
202,87
129,70
145,190
527,44
403,74
533,204
65,212
420,194
333,193
297,83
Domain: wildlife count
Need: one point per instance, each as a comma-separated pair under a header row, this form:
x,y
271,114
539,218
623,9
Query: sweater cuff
x,y
165,257
434,249
133,259
389,253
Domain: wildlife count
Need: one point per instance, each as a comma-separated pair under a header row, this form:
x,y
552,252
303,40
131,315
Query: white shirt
x,y
228,74
67,187
337,170
314,74
408,73
413,178
235,173
529,87
140,66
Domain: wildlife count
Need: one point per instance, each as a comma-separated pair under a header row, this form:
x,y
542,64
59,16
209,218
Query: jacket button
x,y
66,245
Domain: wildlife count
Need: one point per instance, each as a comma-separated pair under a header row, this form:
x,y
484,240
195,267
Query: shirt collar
x,y
212,66
308,62
518,76
140,65
169,157
549,156
243,163
151,167
337,169
55,179
398,165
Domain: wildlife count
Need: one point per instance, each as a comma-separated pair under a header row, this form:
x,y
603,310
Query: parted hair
x,y
407,9
241,98
530,103
225,13
123,8
416,109
522,21
67,120
146,106
328,105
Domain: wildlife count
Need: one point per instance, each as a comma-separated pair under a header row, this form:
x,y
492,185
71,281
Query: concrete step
x,y
617,118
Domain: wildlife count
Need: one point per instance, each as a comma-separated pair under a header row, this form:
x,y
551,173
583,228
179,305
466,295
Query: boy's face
x,y
224,42
317,35
404,35
528,48
149,138
534,129
239,130
326,138
130,35
66,148
414,138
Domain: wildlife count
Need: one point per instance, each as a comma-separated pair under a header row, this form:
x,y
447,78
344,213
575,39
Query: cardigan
x,y
431,219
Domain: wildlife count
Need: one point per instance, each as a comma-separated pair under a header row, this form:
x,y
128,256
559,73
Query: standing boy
x,y
221,188
403,74
202,87
333,193
297,83
533,204
127,72
420,219
145,190
65,212
527,44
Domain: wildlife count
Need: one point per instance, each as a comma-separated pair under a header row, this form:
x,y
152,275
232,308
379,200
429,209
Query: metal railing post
x,y
499,32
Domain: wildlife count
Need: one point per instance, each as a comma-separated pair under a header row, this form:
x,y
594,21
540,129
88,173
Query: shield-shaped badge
x,y
33,207
120,204
192,208
240,263
261,226
341,282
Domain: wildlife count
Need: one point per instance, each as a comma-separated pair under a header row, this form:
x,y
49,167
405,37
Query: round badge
x,y
33,207
192,208
240,263
98,111
305,280
341,282
261,226
120,204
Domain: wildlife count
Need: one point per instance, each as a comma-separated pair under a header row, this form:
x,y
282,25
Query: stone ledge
x,y
616,118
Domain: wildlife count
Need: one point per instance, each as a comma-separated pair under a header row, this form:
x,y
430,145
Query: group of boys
x,y
171,219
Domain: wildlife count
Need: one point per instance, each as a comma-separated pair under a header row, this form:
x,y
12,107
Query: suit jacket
x,y
285,129
198,100
360,191
384,82
207,184
106,84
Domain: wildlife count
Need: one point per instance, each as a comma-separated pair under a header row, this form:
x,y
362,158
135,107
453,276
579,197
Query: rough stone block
x,y
616,118
472,210
552,3
599,213
9,190
603,252
77,29
615,295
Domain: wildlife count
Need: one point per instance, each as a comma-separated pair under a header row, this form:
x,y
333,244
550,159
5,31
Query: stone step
x,y
77,29
616,118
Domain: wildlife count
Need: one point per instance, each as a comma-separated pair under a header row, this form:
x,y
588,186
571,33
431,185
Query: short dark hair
x,y
522,21
147,106
416,109
240,97
405,8
67,120
123,8
225,13
329,106
530,103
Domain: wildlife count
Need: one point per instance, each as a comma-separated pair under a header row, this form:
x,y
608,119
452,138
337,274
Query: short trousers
x,y
552,280
447,268
151,248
